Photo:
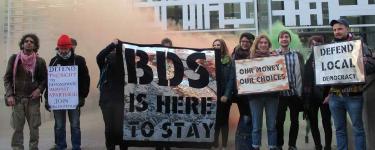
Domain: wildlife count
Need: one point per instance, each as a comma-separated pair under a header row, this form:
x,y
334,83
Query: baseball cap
x,y
341,21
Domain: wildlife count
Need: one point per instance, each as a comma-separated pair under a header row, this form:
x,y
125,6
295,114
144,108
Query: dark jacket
x,y
39,81
83,75
227,80
241,100
312,93
112,78
369,67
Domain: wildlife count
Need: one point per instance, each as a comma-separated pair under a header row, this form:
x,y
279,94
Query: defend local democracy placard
x,y
63,87
339,63
261,75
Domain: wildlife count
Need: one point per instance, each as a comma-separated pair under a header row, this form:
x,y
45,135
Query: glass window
x,y
278,18
314,20
174,16
325,12
277,5
298,20
313,5
296,4
232,10
214,20
250,10
348,2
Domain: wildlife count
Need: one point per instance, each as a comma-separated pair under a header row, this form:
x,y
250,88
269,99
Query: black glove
x,y
81,102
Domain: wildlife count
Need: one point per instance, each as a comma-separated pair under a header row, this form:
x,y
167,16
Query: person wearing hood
x,y
66,57
24,80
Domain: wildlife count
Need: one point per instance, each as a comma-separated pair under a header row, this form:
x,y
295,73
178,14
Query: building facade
x,y
306,17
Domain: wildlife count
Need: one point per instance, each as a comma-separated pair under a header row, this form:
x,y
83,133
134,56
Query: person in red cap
x,y
24,80
66,57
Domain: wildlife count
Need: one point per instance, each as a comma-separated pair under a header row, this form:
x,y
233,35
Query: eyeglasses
x,y
31,41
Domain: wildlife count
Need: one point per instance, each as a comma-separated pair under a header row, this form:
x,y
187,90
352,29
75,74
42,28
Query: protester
x,y
74,44
348,98
24,80
166,42
268,101
291,98
314,96
225,94
66,57
111,102
243,133
368,109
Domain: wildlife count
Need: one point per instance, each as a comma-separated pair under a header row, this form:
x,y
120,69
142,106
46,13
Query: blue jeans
x,y
257,104
339,105
243,133
60,132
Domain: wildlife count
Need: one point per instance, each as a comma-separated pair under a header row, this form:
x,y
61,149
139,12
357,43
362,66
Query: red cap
x,y
64,42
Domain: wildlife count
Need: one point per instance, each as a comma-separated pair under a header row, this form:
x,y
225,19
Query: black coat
x,y
112,78
311,92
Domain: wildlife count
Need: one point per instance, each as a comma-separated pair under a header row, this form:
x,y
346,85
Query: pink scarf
x,y
28,63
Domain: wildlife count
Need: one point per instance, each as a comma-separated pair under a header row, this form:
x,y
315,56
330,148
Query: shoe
x,y
54,147
279,148
327,148
292,148
318,147
223,148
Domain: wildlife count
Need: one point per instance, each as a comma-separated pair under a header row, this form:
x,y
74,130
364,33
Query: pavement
x,y
92,128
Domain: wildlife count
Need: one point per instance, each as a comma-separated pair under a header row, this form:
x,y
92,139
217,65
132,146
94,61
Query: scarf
x,y
261,53
28,63
241,54
225,59
67,56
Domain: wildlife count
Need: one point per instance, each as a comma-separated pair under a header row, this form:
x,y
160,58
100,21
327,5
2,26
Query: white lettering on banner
x,y
260,75
62,87
339,63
